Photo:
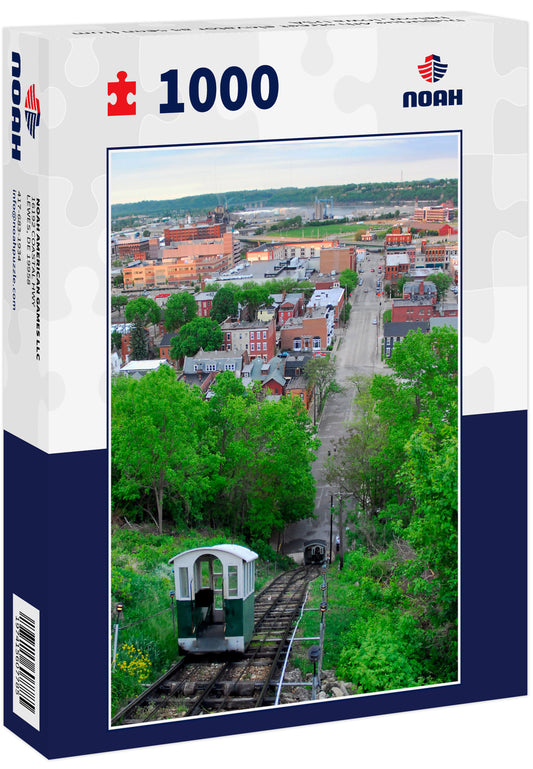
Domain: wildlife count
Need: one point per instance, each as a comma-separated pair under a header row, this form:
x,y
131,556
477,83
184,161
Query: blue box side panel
x,y
57,559
494,555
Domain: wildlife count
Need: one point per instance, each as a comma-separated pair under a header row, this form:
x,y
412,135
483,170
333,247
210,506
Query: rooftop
x,y
311,312
326,296
230,325
402,328
396,259
143,365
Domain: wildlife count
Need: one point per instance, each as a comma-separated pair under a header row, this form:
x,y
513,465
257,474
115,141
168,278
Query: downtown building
x,y
185,262
200,231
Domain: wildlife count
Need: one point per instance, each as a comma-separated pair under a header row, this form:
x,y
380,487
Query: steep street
x,y
357,351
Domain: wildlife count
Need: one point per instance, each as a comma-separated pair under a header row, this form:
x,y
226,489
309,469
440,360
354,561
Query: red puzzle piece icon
x,y
121,88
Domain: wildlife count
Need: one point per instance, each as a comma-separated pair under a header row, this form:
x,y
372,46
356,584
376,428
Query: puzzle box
x,y
104,118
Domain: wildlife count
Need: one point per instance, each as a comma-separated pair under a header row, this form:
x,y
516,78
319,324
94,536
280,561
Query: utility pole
x,y
341,535
331,528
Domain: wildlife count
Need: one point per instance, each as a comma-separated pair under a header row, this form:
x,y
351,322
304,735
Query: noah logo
x,y
32,110
15,105
433,70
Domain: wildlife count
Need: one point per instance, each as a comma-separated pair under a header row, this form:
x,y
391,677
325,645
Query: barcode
x,y
26,661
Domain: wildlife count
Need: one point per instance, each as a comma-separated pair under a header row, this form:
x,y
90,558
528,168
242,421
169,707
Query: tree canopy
x,y
348,279
158,441
225,304
200,333
235,461
180,309
442,282
144,309
320,373
397,468
254,296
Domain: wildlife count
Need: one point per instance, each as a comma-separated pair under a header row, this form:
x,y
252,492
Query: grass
x,y
337,619
324,231
141,581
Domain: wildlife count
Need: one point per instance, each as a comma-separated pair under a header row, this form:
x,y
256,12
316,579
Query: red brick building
x,y
398,239
292,306
204,302
137,248
253,339
200,231
447,230
395,266
165,345
313,332
419,303
298,387
337,259
405,310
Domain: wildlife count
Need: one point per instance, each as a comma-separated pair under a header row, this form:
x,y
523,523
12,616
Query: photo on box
x,y
284,422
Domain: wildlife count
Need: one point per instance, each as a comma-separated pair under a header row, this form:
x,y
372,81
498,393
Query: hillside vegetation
x,y
392,611
384,193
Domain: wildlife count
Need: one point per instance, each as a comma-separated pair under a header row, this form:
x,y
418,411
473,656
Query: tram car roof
x,y
309,542
220,551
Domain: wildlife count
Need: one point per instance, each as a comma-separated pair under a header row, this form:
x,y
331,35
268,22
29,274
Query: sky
x,y
175,172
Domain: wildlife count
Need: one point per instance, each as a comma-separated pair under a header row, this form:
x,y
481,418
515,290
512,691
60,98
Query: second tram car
x,y
315,552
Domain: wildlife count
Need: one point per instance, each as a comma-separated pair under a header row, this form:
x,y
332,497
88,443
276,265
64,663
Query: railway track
x,y
211,683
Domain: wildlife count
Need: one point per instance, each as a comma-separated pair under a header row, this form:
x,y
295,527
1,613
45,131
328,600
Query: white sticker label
x,y
26,661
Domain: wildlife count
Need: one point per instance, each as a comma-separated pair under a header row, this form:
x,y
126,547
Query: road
x,y
357,352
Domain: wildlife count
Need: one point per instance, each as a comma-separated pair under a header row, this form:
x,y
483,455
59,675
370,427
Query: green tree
x,y
345,312
158,441
425,366
265,452
203,333
442,283
320,373
118,303
348,279
253,296
138,340
402,280
143,310
399,464
224,304
180,309
431,475
116,339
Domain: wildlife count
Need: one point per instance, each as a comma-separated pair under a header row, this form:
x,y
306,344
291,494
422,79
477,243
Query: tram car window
x,y
315,552
215,596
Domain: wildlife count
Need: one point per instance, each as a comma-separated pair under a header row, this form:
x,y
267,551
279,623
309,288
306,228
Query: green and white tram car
x,y
215,595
